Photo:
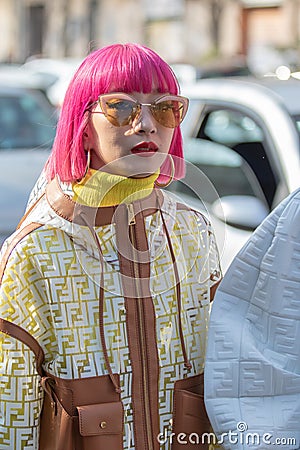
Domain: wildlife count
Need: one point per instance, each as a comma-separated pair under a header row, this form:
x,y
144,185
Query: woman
x,y
109,275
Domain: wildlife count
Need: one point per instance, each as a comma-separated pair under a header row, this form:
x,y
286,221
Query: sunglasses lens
x,y
118,111
169,113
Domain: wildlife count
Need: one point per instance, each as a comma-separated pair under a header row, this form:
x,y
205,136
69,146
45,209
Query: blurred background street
x,y
214,36
237,60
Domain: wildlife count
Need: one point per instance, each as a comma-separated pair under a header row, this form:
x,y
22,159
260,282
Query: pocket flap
x,y
193,405
103,418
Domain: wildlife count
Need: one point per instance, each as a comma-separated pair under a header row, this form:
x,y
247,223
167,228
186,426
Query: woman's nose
x,y
144,122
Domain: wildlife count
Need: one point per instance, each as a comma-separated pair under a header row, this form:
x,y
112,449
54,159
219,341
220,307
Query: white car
x,y
242,140
27,129
57,71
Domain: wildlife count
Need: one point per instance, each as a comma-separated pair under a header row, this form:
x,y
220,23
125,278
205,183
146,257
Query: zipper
x,y
131,215
140,311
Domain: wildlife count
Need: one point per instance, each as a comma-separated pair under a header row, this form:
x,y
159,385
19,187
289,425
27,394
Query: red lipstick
x,y
144,149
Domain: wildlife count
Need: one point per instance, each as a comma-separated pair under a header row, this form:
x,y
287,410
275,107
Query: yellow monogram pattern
x,y
51,289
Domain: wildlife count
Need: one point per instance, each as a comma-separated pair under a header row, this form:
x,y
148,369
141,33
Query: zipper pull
x,y
131,215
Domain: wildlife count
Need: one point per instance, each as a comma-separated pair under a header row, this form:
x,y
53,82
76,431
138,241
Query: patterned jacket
x,y
114,290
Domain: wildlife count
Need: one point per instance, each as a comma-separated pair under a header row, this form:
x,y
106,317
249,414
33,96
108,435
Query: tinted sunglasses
x,y
121,109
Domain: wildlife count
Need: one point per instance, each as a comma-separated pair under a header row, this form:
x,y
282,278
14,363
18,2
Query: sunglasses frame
x,y
136,111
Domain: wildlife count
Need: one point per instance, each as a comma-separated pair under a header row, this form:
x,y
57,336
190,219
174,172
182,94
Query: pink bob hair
x,y
118,67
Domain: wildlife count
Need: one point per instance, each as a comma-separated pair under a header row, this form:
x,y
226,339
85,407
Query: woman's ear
x,y
86,140
89,138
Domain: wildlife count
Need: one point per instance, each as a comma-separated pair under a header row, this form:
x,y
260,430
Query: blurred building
x,y
186,31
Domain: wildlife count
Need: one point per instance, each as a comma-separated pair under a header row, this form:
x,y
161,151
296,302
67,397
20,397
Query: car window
x,y
228,172
25,122
297,120
242,134
231,127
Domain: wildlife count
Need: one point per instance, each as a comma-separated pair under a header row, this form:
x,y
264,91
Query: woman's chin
x,y
133,166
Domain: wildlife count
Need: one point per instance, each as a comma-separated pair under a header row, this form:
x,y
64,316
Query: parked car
x,y
58,73
234,67
27,129
14,75
242,142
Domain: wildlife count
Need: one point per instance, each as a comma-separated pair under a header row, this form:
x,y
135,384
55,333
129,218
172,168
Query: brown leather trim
x,y
60,202
69,210
17,238
183,207
141,327
29,210
213,289
22,335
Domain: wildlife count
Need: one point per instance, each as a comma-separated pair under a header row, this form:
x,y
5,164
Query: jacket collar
x,y
63,205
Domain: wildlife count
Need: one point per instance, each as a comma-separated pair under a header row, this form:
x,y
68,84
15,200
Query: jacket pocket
x,y
191,425
101,426
68,423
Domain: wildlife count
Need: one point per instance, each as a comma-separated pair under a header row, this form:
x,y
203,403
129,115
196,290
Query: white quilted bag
x,y
252,372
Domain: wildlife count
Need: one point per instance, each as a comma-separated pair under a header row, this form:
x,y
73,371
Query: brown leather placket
x,y
137,295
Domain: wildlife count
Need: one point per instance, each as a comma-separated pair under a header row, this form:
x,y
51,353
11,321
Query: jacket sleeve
x,y
252,371
214,263
21,396
211,269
